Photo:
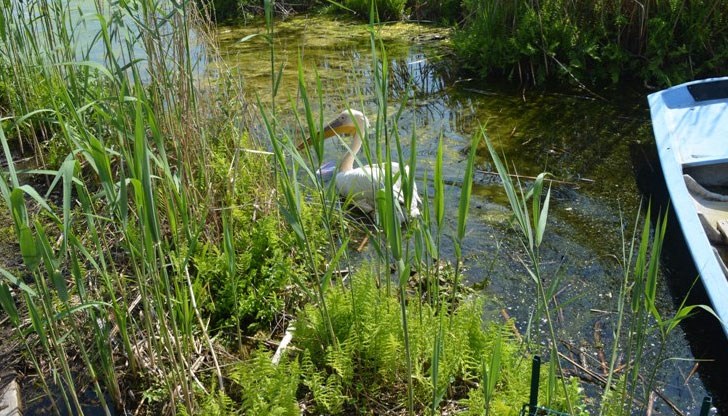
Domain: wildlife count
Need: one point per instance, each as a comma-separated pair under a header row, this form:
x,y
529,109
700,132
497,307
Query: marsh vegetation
x,y
168,234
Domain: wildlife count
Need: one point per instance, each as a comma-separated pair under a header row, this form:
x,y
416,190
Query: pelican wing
x,y
360,186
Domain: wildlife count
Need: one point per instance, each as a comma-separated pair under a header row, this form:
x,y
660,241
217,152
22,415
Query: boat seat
x,y
720,261
723,229
712,211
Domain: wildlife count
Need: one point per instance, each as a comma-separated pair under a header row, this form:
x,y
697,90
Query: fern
x,y
268,389
326,390
370,362
366,370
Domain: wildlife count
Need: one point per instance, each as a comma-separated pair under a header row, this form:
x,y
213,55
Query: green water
x,y
595,148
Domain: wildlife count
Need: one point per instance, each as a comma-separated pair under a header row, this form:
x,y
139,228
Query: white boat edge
x,y
706,263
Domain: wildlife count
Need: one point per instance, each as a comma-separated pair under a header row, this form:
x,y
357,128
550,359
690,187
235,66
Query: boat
x,y
690,124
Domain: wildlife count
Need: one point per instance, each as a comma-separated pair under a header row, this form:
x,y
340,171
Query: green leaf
x,y
28,247
67,170
18,282
94,304
8,304
439,186
9,158
37,323
40,200
467,187
543,216
326,280
686,312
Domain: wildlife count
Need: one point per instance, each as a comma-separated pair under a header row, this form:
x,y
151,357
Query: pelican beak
x,y
303,144
338,127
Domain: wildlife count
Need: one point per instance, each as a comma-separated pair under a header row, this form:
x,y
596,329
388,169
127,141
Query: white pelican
x,y
360,185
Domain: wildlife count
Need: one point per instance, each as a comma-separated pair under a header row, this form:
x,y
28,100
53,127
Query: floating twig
x,y
533,178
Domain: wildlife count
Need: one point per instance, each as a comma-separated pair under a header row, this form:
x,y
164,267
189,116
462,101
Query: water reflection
x,y
106,33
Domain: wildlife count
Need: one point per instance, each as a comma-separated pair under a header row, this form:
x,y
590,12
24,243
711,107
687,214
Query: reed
x,y
636,304
639,312
530,223
110,257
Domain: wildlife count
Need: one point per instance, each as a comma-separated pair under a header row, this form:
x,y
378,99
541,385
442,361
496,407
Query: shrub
x,y
441,11
385,9
595,42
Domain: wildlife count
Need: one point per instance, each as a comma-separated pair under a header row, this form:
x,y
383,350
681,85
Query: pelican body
x,y
360,185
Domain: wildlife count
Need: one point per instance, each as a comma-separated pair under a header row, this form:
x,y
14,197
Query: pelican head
x,y
349,122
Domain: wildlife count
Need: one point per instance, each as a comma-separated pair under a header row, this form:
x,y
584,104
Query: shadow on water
x,y
36,402
702,330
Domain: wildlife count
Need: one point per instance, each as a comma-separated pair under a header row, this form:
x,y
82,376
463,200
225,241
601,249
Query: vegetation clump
x,y
595,43
365,369
479,366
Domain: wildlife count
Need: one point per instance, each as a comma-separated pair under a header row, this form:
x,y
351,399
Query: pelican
x,y
360,185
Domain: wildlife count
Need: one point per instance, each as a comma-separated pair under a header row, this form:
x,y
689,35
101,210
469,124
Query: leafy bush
x,y
385,9
595,42
441,11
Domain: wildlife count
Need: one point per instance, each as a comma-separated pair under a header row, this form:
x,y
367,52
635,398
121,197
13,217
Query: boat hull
x,y
690,124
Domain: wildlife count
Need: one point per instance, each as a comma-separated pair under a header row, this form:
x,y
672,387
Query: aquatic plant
x,y
109,237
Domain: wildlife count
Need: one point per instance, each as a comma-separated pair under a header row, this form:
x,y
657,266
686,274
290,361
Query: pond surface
x,y
598,150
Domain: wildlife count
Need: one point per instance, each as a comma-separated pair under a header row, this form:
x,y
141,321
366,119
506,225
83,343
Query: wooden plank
x,y
10,400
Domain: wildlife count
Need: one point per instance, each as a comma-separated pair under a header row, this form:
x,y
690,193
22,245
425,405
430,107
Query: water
x,y
84,24
599,150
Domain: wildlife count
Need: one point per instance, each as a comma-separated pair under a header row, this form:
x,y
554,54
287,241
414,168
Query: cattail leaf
x,y
542,218
28,247
8,304
18,282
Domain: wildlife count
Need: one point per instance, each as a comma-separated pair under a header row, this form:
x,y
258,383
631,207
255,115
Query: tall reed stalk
x,y
638,311
110,258
531,224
